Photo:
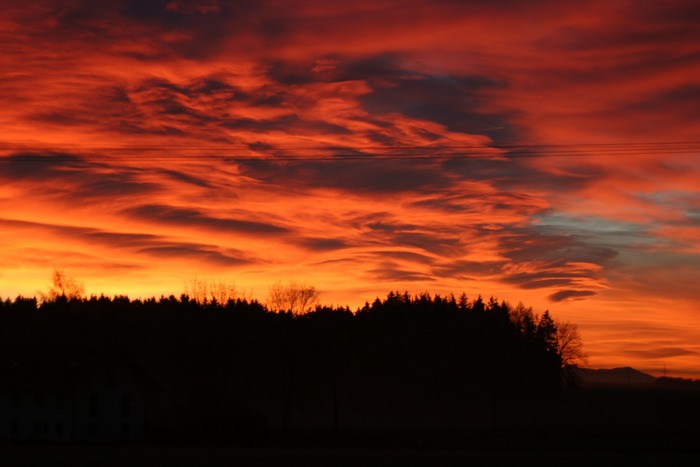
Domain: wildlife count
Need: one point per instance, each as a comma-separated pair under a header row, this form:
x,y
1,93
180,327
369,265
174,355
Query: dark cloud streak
x,y
164,214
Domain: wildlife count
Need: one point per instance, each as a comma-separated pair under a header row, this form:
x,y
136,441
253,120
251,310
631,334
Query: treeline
x,y
239,369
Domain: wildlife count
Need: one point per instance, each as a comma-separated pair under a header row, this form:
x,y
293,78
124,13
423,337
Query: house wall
x,y
109,406
35,414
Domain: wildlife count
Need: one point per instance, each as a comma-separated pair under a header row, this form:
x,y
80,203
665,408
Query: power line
x,y
261,147
235,153
333,158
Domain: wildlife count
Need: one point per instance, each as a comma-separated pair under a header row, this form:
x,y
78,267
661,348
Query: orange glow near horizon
x,y
536,153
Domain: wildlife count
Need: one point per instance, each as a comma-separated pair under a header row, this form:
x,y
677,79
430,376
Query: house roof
x,y
60,370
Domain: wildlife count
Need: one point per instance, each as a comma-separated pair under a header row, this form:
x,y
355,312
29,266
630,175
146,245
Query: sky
x,y
545,152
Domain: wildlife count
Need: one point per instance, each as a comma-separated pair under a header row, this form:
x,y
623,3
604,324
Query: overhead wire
x,y
289,152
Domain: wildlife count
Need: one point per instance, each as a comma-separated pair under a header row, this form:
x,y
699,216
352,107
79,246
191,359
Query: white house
x,y
51,397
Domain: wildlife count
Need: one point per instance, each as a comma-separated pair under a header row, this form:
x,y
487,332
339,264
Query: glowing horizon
x,y
546,154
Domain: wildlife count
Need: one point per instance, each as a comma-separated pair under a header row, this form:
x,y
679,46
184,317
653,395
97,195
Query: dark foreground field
x,y
407,448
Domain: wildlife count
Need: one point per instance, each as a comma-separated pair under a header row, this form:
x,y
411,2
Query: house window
x,y
126,405
94,407
110,379
126,430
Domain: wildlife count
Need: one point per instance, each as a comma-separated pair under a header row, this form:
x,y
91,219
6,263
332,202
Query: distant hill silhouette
x,y
624,376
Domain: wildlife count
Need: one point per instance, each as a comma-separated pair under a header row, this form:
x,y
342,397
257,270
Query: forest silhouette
x,y
240,372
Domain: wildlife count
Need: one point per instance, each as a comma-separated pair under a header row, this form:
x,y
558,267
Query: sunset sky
x,y
545,152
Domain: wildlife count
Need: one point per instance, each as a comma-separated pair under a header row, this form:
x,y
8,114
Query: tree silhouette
x,y
569,344
293,297
547,332
63,286
234,367
524,319
205,291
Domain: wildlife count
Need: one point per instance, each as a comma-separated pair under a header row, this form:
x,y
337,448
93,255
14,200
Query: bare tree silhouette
x,y
297,298
569,344
63,286
204,291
